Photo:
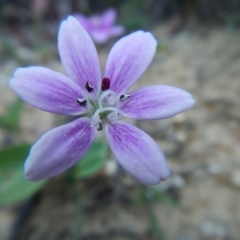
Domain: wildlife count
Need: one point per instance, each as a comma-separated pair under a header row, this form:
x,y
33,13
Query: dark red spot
x,y
105,84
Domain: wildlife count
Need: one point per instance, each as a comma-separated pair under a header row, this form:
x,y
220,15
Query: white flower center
x,y
107,98
107,107
107,110
111,113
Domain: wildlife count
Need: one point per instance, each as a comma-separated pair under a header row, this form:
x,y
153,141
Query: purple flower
x,y
101,27
105,100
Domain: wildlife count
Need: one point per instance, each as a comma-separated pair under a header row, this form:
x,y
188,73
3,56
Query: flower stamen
x,y
115,115
82,101
111,113
111,100
124,97
99,126
89,87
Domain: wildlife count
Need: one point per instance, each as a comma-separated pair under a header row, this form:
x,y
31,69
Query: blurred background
x,y
199,51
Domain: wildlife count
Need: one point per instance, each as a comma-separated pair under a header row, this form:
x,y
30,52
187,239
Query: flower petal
x,y
108,18
78,54
116,31
128,60
47,90
59,149
99,36
137,152
102,35
84,21
156,102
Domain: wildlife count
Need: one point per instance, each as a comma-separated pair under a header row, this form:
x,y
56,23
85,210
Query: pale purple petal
x,y
47,90
137,152
84,21
128,60
156,102
78,54
116,31
102,35
95,22
108,18
99,36
59,149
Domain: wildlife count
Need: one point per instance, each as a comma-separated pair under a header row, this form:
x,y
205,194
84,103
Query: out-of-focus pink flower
x,y
101,27
40,6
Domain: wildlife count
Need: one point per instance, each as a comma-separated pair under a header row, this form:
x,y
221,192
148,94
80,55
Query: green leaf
x,y
152,194
16,188
11,119
161,196
14,157
93,161
161,46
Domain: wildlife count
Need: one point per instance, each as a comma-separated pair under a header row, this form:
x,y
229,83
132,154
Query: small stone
x,y
111,167
7,218
179,118
215,169
212,229
181,137
235,178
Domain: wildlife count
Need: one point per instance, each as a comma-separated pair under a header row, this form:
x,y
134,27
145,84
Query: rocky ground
x,y
201,145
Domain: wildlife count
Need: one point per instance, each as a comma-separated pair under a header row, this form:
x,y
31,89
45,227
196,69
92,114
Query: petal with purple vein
x,y
59,149
157,102
128,60
48,90
137,152
78,54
